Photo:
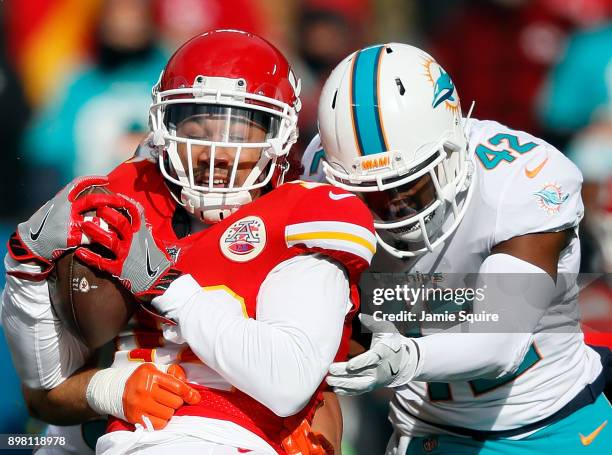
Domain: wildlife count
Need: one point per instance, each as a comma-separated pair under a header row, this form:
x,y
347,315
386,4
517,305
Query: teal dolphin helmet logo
x,y
443,89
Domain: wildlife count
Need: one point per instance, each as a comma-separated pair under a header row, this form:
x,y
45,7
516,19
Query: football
x,y
92,304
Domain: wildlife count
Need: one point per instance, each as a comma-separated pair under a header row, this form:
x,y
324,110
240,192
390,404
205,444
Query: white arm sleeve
x,y
281,357
519,292
44,352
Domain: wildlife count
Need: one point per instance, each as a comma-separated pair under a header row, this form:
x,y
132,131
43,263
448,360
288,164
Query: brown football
x,y
93,305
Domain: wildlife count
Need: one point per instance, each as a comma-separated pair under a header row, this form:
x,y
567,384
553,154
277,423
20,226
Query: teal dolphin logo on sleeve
x,y
550,197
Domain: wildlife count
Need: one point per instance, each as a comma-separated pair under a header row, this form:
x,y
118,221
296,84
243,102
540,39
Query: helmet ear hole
x,y
400,86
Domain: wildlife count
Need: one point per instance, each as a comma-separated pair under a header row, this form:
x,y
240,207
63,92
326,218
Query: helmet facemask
x,y
220,143
410,204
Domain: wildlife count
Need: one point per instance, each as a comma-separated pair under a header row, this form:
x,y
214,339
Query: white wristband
x,y
105,389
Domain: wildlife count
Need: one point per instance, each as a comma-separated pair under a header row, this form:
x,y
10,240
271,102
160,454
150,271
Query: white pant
x,y
74,443
185,435
188,445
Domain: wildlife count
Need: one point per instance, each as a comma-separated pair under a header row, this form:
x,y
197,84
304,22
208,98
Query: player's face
x,y
221,124
402,202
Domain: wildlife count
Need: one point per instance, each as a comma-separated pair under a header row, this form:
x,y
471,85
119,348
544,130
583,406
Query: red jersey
x,y
235,256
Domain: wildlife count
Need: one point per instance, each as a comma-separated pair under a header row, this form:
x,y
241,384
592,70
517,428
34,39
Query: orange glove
x,y
133,392
155,394
303,441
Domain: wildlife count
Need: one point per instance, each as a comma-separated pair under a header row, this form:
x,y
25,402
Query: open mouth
x,y
219,180
219,183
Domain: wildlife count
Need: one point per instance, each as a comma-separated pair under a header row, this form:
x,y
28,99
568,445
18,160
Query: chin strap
x,y
211,208
283,167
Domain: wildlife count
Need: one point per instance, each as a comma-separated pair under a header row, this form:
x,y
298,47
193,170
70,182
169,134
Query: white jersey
x,y
522,185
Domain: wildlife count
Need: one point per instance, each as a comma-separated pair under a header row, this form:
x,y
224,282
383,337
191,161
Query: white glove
x,y
392,361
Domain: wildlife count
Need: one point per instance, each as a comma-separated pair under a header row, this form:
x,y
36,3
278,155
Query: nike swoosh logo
x,y
536,170
34,235
393,373
339,197
587,440
150,271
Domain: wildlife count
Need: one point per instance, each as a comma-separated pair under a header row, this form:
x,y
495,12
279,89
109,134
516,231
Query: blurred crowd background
x,y
76,77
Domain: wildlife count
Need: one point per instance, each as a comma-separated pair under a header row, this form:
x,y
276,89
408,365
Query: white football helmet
x,y
391,127
225,93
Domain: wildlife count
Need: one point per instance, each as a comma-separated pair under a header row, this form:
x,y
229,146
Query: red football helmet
x,y
224,95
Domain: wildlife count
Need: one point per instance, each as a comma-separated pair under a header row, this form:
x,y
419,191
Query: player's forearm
x,y
447,357
517,293
280,358
277,365
44,352
65,404
45,355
